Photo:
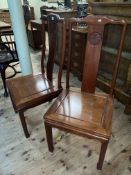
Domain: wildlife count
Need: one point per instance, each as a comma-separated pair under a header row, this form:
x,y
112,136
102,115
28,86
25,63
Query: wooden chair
x,y
8,55
85,112
32,90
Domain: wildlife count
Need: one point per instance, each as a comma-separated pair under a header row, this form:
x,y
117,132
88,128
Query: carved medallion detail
x,y
95,38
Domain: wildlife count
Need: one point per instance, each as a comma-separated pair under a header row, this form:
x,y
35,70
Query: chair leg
x,y
4,82
102,155
23,122
49,137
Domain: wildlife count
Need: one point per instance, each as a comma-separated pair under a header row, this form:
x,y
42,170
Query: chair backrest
x,y
26,13
95,27
8,49
54,24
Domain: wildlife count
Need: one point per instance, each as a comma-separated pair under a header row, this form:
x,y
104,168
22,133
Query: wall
x,y
35,3
3,4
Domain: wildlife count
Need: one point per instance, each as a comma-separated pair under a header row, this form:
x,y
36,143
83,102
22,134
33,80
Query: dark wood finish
x,y
49,137
66,14
85,112
28,13
8,54
23,123
32,90
32,13
102,154
34,33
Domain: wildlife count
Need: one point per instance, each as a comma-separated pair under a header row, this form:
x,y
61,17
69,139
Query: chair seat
x,y
27,91
81,112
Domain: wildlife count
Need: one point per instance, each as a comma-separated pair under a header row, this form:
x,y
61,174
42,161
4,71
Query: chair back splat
x,y
85,112
55,26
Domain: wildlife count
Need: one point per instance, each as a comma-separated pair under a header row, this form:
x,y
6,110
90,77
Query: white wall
x,y
3,4
35,3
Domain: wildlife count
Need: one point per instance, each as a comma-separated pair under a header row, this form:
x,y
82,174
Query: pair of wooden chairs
x,y
85,113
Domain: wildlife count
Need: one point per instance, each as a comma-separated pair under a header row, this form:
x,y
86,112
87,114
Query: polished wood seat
x,y
82,112
85,112
32,90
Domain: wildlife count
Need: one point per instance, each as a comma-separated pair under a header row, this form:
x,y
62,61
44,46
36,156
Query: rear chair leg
x,y
102,154
23,122
4,82
49,137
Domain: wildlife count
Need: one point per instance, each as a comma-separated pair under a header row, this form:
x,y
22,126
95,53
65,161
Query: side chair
x,y
85,112
8,55
32,90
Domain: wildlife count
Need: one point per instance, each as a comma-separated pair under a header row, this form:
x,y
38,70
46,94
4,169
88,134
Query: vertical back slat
x,y
92,57
52,21
69,30
118,56
55,26
44,22
63,49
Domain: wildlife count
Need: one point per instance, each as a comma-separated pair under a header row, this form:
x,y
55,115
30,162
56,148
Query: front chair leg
x,y
49,137
24,125
102,154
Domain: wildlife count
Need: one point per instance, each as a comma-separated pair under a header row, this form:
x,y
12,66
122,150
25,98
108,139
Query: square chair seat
x,y
27,91
82,112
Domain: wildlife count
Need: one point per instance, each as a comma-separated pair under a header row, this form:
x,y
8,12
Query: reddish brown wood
x,y
49,137
84,112
102,155
32,90
23,122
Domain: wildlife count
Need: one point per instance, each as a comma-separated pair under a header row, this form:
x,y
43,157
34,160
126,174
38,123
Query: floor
x,y
73,155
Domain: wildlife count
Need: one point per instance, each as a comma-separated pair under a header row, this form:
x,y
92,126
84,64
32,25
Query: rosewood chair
x,y
32,90
86,113
8,55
